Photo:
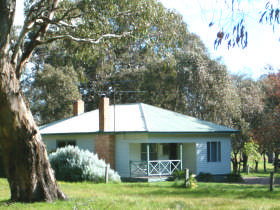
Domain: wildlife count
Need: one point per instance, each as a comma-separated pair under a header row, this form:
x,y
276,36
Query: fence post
x,y
187,176
106,174
271,181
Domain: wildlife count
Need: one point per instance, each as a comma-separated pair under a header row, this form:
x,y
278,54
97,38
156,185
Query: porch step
x,y
158,179
145,179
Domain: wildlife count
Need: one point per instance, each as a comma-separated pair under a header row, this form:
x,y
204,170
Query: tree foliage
x,y
87,22
267,132
53,92
251,108
154,68
233,22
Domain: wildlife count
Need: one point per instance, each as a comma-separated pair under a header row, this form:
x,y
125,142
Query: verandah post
x,y
181,156
148,159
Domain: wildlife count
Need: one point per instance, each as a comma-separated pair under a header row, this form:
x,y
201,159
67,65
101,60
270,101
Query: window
x,y
153,151
214,151
63,143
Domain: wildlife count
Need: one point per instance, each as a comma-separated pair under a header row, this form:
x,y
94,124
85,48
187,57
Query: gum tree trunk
x,y
24,155
264,161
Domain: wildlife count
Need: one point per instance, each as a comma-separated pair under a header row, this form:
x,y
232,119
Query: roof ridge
x,y
143,116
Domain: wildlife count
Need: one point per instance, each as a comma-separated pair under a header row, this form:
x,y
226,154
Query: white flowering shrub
x,y
73,164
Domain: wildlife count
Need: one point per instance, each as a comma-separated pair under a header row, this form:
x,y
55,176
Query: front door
x,y
173,151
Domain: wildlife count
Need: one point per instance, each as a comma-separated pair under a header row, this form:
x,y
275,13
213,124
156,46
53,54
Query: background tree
x,y
93,22
53,92
251,150
251,108
177,75
268,132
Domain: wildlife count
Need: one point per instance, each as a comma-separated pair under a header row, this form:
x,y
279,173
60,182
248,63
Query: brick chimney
x,y
78,107
103,113
104,143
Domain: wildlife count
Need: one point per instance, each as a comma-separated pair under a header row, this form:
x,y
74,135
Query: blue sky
x,y
263,46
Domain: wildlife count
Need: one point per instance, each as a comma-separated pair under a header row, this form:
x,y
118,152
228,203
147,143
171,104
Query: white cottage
x,y
143,140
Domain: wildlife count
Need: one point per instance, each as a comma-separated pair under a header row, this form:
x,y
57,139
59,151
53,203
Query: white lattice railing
x,y
156,168
138,168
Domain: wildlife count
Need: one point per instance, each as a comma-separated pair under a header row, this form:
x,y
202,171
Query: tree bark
x,y
245,161
25,159
264,161
276,162
270,157
256,165
234,163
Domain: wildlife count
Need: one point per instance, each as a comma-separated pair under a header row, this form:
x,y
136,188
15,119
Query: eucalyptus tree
x,y
184,79
86,21
267,131
53,92
251,107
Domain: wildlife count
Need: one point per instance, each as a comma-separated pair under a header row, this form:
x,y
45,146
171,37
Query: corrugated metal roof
x,y
136,117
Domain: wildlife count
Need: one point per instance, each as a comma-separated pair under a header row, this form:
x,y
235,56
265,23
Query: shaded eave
x,y
145,132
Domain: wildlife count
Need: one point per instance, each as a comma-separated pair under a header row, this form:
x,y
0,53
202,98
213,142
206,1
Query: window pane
x,y
64,143
61,144
165,149
152,149
208,151
144,152
144,156
213,151
143,147
219,151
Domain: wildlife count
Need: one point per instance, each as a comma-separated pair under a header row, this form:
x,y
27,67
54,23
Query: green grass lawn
x,y
161,195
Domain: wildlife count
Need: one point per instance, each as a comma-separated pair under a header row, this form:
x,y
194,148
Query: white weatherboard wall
x,y
83,141
135,152
222,167
189,157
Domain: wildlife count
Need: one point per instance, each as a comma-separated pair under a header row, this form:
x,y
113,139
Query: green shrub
x,y
178,175
73,164
205,177
234,178
191,183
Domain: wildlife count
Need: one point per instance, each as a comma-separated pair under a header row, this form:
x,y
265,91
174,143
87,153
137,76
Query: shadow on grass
x,y
233,191
6,203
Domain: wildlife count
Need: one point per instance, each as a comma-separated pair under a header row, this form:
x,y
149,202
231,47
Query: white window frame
x,y
214,157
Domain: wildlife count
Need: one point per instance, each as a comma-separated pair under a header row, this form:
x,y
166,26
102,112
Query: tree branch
x,y
85,40
34,42
7,12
